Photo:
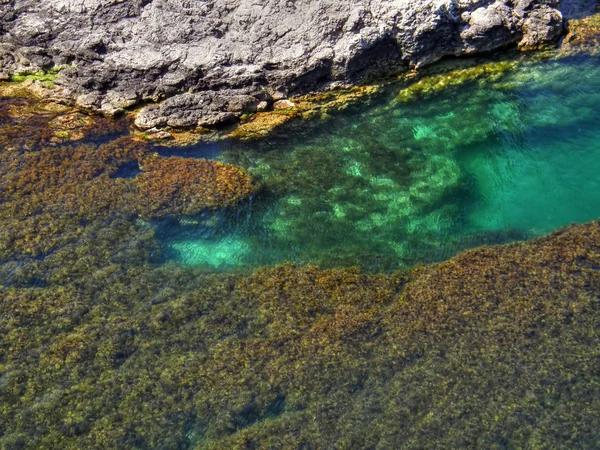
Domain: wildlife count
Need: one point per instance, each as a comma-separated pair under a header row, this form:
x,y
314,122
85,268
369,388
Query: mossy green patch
x,y
46,78
111,352
428,85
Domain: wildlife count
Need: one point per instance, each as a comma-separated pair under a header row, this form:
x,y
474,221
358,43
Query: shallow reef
x,y
54,186
105,343
584,34
497,347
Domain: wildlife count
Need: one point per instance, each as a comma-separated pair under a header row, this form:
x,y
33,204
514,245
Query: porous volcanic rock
x,y
214,60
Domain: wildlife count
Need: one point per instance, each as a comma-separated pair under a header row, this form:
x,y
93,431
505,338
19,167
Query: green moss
x,y
62,134
46,77
428,85
40,76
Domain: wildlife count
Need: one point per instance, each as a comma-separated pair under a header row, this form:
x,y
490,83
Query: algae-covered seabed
x,y
108,340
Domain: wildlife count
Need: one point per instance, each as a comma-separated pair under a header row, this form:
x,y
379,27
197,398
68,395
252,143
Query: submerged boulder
x,y
188,186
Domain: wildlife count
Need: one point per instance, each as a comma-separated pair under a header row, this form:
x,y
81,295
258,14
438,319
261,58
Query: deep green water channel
x,y
388,183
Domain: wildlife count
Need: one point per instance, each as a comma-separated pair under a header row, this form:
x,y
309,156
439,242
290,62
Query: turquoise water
x,y
389,183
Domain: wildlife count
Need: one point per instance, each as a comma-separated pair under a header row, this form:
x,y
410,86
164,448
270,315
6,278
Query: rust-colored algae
x,y
262,124
50,192
187,186
28,123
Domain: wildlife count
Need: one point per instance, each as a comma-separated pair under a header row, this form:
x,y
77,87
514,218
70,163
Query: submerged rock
x,y
584,34
215,61
61,170
188,186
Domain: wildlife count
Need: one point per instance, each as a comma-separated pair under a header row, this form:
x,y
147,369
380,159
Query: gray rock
x,y
283,104
262,106
540,27
155,134
279,95
212,60
201,109
89,101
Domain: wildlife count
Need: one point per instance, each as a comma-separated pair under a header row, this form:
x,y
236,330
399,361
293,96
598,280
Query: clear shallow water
x,y
103,346
389,183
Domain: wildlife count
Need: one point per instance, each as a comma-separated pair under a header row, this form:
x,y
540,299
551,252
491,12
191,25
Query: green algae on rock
x,y
45,78
584,35
428,85
307,107
132,356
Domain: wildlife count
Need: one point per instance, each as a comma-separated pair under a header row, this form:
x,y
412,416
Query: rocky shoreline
x,y
207,64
